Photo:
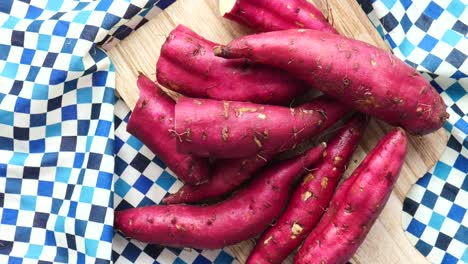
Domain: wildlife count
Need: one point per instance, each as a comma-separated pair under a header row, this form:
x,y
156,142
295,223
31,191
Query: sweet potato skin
x,y
218,225
229,174
365,77
267,15
311,197
228,129
356,204
187,65
152,122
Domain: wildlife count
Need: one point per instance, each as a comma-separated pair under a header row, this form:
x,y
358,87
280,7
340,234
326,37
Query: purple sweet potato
x,y
228,129
229,174
310,199
187,65
152,122
356,204
267,15
243,216
363,76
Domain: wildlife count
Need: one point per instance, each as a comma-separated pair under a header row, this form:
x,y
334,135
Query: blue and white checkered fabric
x,y
432,36
57,130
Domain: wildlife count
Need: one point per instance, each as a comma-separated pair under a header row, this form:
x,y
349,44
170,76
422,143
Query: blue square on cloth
x,y
18,158
449,259
180,261
91,247
121,188
10,70
94,161
223,257
6,117
457,213
26,57
3,169
49,159
103,128
32,73
37,146
436,221
131,252
462,234
428,43
45,188
69,112
451,37
69,45
406,47
389,22
23,105
59,224
456,58
143,184
72,209
62,255
13,186
61,28
433,10
34,251
201,260
33,12
80,227
84,95
9,216
456,8
109,20
5,6
107,232
405,23
423,247
50,238
424,22
135,143
86,194
4,51
431,62
104,180
28,202
462,125
165,180
461,164
40,220
429,199
43,42
22,234
98,213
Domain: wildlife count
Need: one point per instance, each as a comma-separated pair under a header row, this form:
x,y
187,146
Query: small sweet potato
x,y
358,74
310,199
152,122
228,129
268,15
241,217
356,204
188,66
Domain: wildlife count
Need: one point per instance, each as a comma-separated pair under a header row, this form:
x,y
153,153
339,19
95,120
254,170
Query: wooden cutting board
x,y
386,242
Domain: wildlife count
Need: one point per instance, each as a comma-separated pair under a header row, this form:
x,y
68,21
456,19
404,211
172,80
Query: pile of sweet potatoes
x,y
235,120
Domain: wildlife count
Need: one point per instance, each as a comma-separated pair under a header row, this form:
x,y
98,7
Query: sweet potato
x,y
267,15
356,204
228,129
187,65
241,217
365,77
152,122
310,199
229,174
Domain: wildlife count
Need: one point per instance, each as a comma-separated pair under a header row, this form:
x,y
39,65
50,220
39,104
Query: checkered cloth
x,y
432,36
60,155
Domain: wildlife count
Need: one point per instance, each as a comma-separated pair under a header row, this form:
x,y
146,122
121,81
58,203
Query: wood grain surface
x,y
386,242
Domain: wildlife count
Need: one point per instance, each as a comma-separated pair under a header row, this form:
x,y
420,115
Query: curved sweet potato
x,y
229,174
152,122
241,217
310,199
227,129
356,204
268,15
365,77
188,66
